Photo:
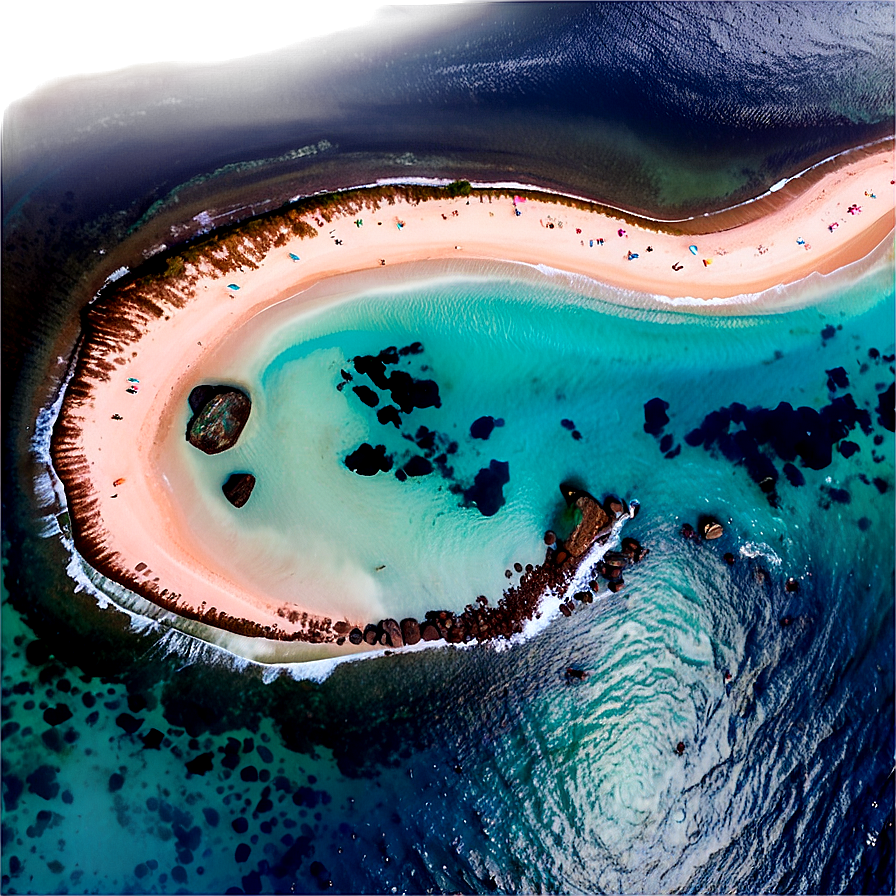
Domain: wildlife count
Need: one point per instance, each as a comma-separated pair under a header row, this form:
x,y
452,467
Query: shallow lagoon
x,y
567,373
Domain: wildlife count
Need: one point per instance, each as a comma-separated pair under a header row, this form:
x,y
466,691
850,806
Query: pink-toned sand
x,y
138,525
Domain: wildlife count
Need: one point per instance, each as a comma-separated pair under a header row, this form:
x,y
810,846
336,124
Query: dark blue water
x,y
136,761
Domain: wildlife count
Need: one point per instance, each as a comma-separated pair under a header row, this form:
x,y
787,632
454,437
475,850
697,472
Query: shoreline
x,y
167,326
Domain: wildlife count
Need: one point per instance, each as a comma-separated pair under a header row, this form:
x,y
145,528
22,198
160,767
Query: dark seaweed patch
x,y
655,416
755,437
886,411
367,395
837,379
417,466
368,460
487,491
42,781
389,414
56,715
482,427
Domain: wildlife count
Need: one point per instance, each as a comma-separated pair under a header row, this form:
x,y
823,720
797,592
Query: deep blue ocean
x,y
135,758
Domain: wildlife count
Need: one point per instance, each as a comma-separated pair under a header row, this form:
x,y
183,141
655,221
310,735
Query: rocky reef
x,y
481,622
219,416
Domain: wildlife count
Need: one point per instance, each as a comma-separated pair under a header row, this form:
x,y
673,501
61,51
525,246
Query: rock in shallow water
x,y
218,424
238,488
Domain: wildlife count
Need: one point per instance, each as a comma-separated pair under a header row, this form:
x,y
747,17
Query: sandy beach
x,y
129,531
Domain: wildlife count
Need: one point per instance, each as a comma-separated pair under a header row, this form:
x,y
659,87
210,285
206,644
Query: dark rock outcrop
x,y
410,631
595,520
217,425
238,488
392,631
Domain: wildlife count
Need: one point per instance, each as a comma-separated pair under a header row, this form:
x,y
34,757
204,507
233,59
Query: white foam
x,y
117,274
753,549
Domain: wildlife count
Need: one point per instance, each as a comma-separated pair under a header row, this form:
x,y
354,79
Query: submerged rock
x,y
487,491
655,416
482,428
238,488
367,460
220,421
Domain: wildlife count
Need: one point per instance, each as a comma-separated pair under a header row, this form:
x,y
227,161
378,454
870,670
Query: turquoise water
x,y
534,355
481,769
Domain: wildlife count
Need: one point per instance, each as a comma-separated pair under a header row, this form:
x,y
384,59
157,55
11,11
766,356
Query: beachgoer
x,y
650,248
679,748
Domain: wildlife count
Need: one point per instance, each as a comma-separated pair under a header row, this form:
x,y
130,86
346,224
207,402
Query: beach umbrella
x,y
693,250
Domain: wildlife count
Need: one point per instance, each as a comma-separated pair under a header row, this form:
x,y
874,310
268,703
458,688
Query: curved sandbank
x,y
160,328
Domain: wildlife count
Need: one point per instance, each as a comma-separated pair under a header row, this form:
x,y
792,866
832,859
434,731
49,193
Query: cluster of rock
x,y
219,416
481,622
